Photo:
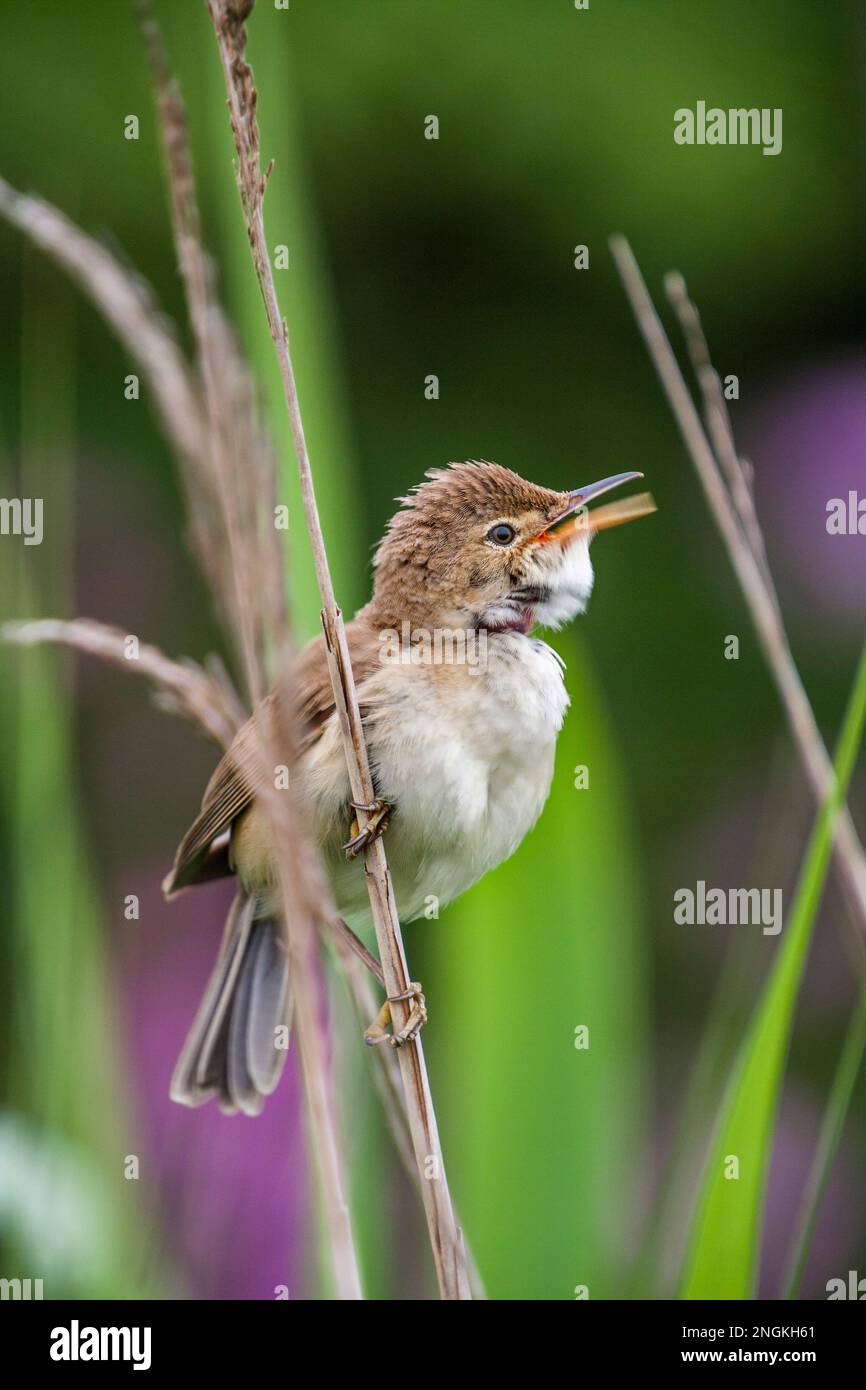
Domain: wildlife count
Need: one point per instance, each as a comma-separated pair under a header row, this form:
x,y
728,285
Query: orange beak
x,y
614,514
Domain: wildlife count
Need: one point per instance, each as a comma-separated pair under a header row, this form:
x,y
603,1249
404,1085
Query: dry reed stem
x,y
238,482
243,499
182,688
387,1079
305,898
726,487
126,303
717,417
449,1257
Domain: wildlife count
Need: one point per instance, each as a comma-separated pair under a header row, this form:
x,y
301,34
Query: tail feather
x,y
241,1090
231,1051
253,1061
216,1016
270,1006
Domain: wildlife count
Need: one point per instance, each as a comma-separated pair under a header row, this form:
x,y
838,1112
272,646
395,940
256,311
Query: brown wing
x,y
203,852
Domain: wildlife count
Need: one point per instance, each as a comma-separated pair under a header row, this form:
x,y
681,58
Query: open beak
x,y
578,519
581,495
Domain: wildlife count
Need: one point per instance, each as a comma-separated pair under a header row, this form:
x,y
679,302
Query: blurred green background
x,y
454,257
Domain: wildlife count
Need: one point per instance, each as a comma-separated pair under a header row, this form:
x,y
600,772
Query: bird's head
x,y
476,546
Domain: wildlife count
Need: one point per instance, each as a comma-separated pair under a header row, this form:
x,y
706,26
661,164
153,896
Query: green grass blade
x,y
660,1258
725,1238
847,1071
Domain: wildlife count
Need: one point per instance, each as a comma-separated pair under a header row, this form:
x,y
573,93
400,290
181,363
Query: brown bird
x,y
461,706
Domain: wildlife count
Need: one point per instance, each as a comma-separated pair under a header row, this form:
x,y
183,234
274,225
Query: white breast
x,y
465,754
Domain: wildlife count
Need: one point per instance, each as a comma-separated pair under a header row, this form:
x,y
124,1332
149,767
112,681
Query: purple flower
x,y
808,442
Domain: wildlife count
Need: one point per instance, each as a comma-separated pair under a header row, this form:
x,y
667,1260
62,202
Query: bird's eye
x,y
501,534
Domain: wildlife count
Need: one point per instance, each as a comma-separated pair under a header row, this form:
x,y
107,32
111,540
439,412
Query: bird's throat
x,y
520,620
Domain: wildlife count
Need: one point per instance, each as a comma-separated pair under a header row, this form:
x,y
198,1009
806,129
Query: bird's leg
x,y
379,812
377,1033
378,1029
417,1014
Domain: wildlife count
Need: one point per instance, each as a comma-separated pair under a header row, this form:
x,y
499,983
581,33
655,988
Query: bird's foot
x,y
379,812
377,1033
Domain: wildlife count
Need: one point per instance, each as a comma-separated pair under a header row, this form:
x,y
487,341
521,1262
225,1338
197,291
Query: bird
x,y
461,703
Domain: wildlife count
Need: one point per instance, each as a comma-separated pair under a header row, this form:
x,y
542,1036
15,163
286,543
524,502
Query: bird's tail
x,y
237,1045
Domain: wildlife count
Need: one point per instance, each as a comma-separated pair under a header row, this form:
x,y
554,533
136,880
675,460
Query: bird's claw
x,y
379,812
377,1031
